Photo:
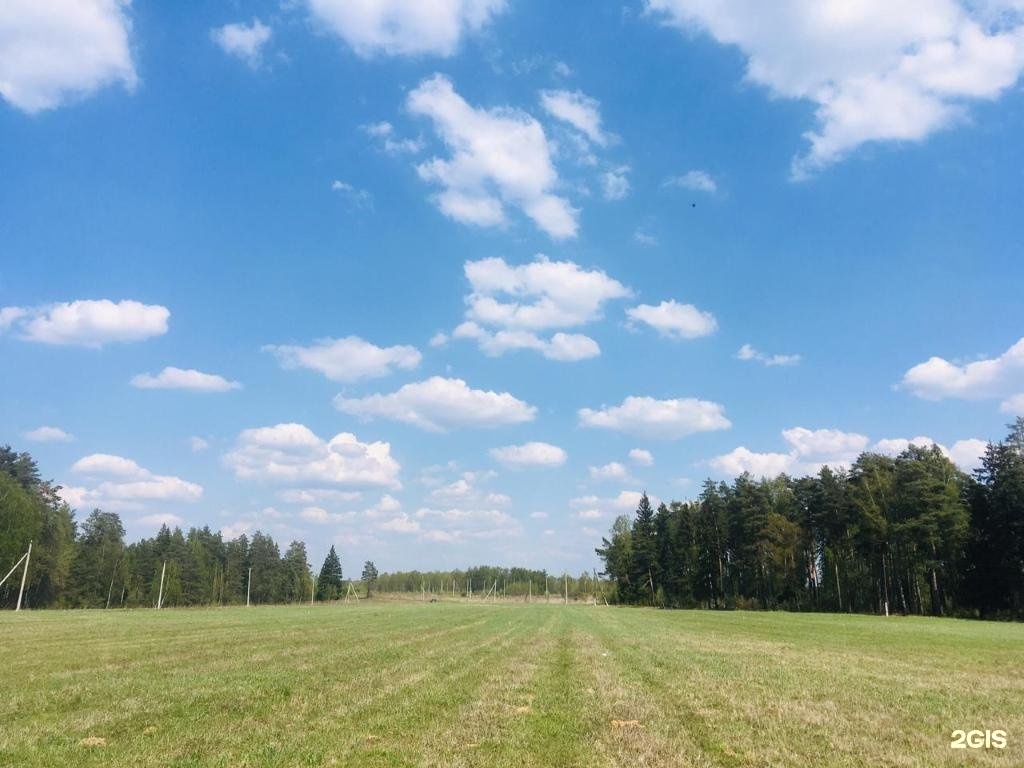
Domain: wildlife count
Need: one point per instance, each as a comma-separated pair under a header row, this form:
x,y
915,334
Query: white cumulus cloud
x,y
534,454
510,304
613,470
56,51
293,453
578,110
749,353
564,347
674,320
86,322
347,359
966,454
997,377
642,457
615,183
404,28
697,181
317,495
1013,405
593,507
179,378
831,443
540,295
740,460
438,404
49,435
390,142
498,157
649,417
810,450
877,71
244,41
122,484
456,525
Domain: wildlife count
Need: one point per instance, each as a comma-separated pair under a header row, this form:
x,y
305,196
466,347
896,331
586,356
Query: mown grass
x,y
456,684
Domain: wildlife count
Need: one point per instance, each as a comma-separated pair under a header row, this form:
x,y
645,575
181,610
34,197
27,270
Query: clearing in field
x,y
450,684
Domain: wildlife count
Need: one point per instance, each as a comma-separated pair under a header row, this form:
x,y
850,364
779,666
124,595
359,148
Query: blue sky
x,y
447,283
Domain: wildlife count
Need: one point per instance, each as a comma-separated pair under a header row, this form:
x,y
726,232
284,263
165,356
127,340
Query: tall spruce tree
x,y
329,583
644,559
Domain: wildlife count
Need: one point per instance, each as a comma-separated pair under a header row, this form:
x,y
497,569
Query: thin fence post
x,y
248,588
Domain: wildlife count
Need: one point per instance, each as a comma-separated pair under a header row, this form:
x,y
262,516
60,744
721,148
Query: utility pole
x,y
160,597
24,575
112,575
248,587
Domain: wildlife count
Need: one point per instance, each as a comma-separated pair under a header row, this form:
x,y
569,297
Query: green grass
x,y
449,684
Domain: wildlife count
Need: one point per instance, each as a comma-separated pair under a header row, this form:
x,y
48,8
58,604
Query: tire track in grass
x,y
634,731
481,730
394,730
531,711
565,726
486,729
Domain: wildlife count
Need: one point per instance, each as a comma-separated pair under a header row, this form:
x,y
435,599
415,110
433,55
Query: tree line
x,y
88,564
500,581
911,534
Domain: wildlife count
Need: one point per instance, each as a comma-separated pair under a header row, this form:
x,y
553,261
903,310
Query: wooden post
x,y
566,589
529,596
160,597
312,590
248,588
24,575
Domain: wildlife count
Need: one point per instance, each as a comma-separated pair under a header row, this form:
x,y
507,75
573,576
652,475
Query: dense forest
x,y
911,534
87,564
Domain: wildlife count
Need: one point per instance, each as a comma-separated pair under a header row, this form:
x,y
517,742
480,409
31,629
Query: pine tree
x,y
296,573
710,529
267,570
328,586
994,568
98,559
369,575
645,553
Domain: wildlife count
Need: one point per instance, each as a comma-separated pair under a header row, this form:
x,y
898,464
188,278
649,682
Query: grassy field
x,y
448,684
